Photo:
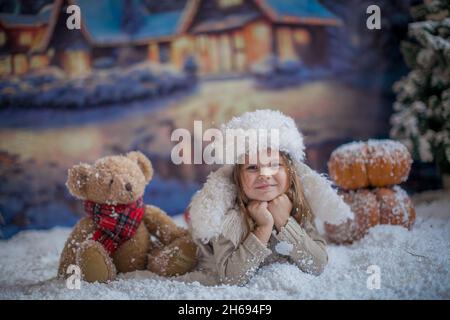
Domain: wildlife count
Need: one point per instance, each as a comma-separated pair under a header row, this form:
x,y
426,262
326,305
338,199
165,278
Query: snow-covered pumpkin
x,y
375,163
372,207
366,209
396,207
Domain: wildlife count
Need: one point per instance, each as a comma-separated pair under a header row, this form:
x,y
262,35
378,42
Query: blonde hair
x,y
301,211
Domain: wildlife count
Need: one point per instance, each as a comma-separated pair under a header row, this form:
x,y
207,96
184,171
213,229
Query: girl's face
x,y
265,183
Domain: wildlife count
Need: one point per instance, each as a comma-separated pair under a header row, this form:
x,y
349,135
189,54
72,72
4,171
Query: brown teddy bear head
x,y
113,180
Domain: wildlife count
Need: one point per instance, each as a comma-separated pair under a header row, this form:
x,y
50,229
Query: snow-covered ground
x,y
413,265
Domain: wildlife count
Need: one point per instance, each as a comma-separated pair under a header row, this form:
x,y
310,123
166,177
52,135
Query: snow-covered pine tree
x,y
421,118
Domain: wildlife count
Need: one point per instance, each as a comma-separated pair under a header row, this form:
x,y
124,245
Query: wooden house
x,y
20,35
231,35
225,36
123,31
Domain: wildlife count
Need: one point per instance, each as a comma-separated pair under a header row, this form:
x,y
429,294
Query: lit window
x,y
5,65
302,37
238,41
202,43
38,61
25,38
77,62
2,38
20,64
261,31
229,3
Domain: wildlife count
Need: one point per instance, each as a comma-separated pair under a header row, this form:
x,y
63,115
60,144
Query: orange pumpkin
x,y
396,207
365,207
375,163
372,207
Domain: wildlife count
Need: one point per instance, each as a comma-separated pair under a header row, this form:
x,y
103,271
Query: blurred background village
x,y
138,69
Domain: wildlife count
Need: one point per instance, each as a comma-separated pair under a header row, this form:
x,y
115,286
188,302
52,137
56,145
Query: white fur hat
x,y
218,195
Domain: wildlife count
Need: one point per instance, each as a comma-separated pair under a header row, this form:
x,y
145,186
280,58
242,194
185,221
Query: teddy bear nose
x,y
128,187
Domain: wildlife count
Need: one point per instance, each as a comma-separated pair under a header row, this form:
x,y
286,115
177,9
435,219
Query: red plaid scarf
x,y
115,223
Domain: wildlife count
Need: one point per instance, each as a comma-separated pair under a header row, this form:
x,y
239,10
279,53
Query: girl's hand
x,y
260,214
280,208
263,219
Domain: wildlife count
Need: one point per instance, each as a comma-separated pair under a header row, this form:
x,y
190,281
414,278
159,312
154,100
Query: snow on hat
x,y
210,205
290,138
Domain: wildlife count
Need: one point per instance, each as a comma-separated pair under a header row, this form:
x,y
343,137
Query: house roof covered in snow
x,y
104,22
117,22
306,11
13,22
299,9
228,22
17,20
309,12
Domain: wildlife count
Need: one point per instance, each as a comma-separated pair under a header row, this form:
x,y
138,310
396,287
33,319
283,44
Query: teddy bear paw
x,y
95,263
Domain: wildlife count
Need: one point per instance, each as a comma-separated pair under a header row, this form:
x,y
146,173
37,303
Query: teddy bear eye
x,y
111,182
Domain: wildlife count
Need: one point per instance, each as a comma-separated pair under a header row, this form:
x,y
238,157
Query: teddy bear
x,y
119,233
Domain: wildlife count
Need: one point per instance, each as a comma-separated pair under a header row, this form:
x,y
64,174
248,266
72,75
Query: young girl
x,y
253,214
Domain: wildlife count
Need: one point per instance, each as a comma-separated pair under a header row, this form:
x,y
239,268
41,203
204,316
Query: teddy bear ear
x,y
143,162
77,180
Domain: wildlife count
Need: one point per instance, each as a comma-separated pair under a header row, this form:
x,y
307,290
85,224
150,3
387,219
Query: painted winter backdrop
x,y
137,70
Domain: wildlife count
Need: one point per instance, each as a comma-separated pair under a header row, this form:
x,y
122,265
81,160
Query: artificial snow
x,y
284,248
413,265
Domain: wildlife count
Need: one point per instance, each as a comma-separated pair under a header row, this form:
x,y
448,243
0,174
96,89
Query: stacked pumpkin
x,y
368,174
